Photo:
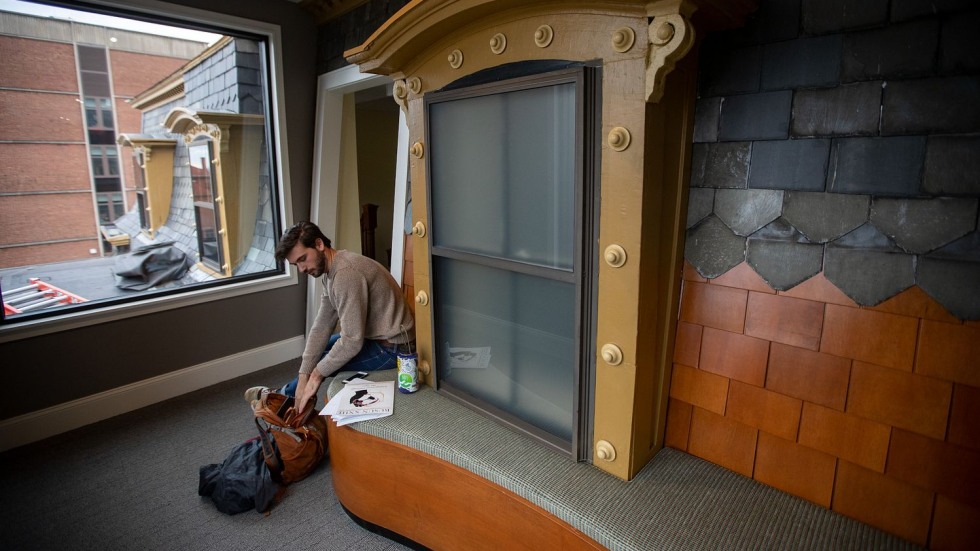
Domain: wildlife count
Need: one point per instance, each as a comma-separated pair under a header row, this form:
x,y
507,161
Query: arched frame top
x,y
191,124
403,43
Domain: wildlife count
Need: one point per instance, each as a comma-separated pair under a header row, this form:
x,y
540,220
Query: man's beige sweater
x,y
360,294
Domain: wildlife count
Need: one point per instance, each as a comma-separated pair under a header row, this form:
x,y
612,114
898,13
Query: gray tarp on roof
x,y
149,266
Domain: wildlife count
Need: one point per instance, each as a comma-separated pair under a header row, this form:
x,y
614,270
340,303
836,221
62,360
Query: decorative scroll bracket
x,y
399,92
671,37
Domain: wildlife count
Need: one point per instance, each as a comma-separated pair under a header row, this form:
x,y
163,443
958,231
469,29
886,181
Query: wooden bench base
x,y
435,503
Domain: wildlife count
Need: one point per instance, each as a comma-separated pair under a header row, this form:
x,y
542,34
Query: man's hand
x,y
306,390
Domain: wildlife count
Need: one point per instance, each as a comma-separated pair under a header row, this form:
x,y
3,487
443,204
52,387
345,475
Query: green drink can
x,y
408,372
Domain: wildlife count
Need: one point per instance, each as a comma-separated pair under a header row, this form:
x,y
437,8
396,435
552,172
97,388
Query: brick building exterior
x,y
50,208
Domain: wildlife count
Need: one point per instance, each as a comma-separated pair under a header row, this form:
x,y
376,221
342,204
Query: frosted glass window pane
x,y
508,339
503,175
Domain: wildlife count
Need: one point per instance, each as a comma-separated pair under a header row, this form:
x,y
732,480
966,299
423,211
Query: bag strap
x,y
270,452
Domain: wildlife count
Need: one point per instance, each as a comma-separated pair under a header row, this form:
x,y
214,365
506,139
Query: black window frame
x,y
522,76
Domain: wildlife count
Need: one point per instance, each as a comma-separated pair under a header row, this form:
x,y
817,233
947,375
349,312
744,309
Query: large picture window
x,y
208,186
508,194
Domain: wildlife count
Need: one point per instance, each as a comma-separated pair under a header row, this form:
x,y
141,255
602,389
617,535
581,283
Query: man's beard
x,y
321,264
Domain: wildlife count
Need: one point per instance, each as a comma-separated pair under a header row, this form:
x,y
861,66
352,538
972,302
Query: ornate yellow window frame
x,y
648,54
237,142
158,175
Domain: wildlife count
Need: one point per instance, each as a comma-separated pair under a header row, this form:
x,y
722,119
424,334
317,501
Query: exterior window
x,y
94,71
506,200
203,183
110,206
105,161
108,185
98,113
99,119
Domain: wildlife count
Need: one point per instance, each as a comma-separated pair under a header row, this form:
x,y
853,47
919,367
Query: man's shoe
x,y
255,393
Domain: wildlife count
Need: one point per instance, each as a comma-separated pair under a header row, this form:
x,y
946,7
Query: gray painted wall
x,y
56,368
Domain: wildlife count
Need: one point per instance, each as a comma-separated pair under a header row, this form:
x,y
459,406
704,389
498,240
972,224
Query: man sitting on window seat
x,y
360,294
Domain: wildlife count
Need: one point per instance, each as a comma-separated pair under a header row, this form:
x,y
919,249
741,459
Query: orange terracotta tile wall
x,y
871,412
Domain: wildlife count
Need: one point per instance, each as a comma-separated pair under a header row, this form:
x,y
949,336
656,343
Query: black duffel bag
x,y
241,482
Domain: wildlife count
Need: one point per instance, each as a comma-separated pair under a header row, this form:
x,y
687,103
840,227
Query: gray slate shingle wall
x,y
843,137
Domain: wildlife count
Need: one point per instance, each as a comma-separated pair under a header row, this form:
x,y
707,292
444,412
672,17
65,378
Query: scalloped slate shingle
x,y
953,284
823,217
713,249
922,225
745,211
782,256
867,276
951,275
784,264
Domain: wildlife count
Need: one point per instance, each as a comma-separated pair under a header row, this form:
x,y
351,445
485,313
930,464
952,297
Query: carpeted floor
x,y
130,482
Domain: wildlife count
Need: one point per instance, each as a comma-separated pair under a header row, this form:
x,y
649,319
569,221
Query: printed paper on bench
x,y
360,401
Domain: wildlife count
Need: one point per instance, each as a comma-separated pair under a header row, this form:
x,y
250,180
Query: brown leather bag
x,y
293,443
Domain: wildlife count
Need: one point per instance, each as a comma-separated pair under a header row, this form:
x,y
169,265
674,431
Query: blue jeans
x,y
373,356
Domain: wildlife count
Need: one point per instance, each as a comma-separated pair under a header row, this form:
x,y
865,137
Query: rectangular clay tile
x,y
807,375
764,410
849,437
900,399
949,351
791,321
734,356
699,388
954,525
790,467
713,306
964,417
938,466
866,335
882,501
678,424
687,344
723,441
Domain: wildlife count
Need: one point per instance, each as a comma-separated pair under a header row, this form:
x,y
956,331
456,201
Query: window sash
x,y
98,113
447,250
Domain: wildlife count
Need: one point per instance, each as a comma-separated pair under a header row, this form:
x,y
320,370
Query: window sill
x,y
74,320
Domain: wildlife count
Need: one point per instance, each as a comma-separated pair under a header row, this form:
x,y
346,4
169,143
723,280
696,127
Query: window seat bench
x,y
441,476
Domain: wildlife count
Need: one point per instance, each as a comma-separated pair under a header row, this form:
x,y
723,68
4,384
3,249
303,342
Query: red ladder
x,y
36,295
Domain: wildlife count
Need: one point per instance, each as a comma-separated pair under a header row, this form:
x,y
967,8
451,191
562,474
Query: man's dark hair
x,y
304,232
